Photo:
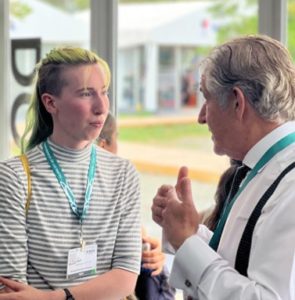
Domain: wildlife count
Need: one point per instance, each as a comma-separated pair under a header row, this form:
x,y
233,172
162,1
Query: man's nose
x,y
202,115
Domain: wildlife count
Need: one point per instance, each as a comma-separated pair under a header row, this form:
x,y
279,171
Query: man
x,y
249,90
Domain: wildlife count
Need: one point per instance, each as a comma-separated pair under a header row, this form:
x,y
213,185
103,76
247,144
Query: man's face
x,y
220,122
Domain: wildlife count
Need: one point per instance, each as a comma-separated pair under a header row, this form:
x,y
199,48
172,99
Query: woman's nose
x,y
101,105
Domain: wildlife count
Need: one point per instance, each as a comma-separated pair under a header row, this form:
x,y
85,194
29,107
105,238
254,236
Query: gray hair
x,y
261,67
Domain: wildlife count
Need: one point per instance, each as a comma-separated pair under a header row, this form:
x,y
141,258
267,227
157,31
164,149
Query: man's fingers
x,y
185,191
157,214
157,211
182,173
160,201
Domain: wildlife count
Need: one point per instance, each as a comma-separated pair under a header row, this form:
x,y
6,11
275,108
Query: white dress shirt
x,y
204,274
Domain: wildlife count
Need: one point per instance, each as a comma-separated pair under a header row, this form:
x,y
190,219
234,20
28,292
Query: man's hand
x,y
159,203
173,208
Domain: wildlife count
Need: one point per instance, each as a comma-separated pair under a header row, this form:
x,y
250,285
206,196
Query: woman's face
x,y
80,110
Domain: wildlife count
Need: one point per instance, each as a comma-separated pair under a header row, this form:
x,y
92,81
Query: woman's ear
x,y
48,102
239,103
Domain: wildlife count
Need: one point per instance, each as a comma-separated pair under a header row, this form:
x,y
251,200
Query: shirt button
x,y
188,283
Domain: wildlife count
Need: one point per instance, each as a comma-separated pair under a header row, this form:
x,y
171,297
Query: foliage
x,y
242,23
150,1
70,5
19,10
291,27
236,18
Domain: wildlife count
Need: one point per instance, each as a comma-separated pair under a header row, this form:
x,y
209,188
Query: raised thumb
x,y
182,173
185,191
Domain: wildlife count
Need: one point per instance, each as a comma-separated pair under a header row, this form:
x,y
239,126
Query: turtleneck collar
x,y
67,154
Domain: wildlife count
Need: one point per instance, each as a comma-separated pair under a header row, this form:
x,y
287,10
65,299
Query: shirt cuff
x,y
203,232
190,262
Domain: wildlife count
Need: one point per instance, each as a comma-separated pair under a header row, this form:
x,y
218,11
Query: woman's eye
x,y
86,94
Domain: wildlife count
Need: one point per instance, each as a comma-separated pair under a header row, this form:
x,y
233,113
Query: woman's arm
x,y
107,286
13,235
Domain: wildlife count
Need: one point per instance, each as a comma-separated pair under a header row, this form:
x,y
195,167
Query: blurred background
x,y
154,50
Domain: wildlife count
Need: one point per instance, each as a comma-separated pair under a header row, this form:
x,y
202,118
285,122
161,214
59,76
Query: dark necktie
x,y
238,178
240,174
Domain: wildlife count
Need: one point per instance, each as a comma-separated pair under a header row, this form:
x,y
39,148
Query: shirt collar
x,y
69,155
256,152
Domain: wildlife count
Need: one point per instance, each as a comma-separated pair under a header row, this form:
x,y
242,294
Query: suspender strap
x,y
26,166
243,253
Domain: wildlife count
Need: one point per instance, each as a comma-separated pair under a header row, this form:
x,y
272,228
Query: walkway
x,y
204,165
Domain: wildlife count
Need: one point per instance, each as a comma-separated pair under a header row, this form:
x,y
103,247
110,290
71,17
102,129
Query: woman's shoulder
x,y
14,163
110,160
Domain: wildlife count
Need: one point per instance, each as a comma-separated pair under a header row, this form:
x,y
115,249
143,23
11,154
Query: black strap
x,y
243,253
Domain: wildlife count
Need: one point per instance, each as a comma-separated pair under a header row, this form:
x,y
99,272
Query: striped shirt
x,y
34,248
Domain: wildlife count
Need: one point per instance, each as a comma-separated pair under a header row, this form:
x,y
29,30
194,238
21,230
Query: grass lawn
x,y
163,134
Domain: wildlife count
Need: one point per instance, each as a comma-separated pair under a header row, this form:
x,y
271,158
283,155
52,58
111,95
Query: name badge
x,y
82,261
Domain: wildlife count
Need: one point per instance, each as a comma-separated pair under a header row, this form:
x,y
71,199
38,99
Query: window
x,y
35,28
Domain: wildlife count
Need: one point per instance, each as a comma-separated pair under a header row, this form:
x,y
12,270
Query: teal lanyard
x,y
64,184
267,156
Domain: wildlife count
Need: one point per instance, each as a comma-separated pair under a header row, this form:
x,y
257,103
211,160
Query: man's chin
x,y
218,151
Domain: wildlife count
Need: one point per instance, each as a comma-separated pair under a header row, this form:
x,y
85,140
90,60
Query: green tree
x,y
69,5
241,17
235,18
291,27
19,10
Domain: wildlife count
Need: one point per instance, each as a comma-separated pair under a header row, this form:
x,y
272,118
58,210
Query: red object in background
x,y
205,23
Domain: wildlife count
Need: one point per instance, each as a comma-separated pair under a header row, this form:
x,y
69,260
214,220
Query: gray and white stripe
x,y
34,249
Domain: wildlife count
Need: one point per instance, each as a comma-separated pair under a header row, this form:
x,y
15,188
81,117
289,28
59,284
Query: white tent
x,y
50,24
143,30
174,23
148,32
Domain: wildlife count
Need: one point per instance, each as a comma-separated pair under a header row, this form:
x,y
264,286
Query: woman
x,y
80,238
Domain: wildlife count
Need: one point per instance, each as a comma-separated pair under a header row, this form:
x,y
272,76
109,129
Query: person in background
x,y
79,237
152,282
249,89
211,216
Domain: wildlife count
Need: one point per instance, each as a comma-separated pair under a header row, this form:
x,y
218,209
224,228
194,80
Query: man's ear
x,y
48,102
239,103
